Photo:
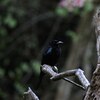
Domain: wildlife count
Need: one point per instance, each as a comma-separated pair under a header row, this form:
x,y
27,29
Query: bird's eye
x,y
59,42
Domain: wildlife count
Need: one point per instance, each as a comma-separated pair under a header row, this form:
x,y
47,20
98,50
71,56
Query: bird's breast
x,y
51,56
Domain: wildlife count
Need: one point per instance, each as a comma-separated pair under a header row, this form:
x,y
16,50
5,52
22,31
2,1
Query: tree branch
x,y
57,76
30,95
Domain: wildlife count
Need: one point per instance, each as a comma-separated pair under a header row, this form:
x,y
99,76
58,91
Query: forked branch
x,y
57,76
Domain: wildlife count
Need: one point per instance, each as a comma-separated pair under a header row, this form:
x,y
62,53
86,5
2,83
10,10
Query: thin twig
x,y
70,81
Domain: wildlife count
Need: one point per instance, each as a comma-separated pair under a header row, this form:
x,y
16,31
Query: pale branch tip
x,y
30,95
82,78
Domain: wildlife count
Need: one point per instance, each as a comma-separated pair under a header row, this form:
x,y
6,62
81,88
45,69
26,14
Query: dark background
x,y
26,27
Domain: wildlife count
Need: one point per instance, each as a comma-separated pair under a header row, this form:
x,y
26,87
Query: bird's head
x,y
56,43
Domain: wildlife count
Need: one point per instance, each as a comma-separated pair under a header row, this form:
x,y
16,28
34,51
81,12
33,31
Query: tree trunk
x,y
93,92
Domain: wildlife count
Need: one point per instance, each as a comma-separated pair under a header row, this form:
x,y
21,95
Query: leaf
x,y
19,87
61,11
76,11
36,66
24,67
88,6
10,21
73,35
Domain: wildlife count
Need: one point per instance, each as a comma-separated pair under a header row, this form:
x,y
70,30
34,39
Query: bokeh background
x,y
26,27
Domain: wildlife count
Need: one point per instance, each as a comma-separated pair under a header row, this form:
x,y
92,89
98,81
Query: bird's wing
x,y
47,51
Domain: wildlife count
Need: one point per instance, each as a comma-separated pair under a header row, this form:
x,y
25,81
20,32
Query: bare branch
x,y
64,74
57,76
30,95
82,78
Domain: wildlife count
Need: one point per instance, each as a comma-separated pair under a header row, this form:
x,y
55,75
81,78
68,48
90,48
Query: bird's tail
x,y
40,80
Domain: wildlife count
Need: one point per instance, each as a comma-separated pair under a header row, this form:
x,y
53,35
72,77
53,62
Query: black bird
x,y
50,56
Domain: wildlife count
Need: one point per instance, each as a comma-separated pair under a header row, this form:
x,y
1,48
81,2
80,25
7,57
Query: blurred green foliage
x,y
73,35
36,66
88,6
10,21
20,87
61,11
3,94
3,32
5,2
2,72
24,67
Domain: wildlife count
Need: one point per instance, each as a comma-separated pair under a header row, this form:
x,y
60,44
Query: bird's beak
x,y
59,42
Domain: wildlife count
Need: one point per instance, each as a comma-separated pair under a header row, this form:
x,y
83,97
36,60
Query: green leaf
x,y
88,6
73,35
10,21
61,11
76,11
19,87
25,67
36,66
